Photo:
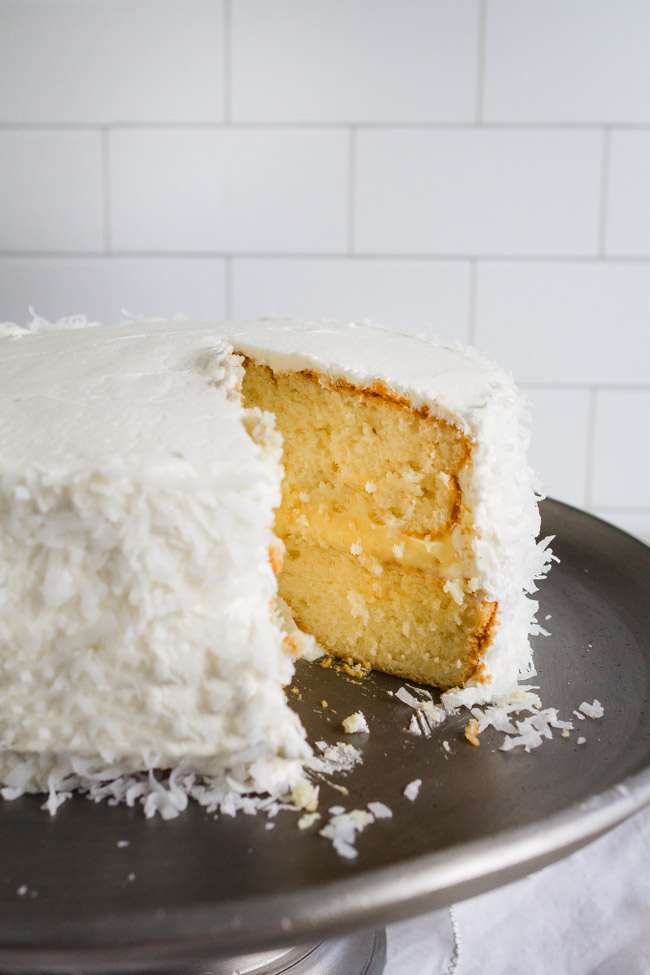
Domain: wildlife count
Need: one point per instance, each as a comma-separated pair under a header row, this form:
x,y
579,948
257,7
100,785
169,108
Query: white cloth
x,y
588,914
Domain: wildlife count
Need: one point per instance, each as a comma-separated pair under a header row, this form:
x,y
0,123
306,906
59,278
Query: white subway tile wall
x,y
472,191
478,169
117,61
228,190
359,61
51,191
628,198
106,289
429,297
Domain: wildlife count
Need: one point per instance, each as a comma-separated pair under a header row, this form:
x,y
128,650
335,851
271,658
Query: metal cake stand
x,y
225,895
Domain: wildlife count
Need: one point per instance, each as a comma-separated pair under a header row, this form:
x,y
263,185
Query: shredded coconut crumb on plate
x,y
341,757
380,810
414,726
307,820
594,710
355,723
412,789
343,828
427,714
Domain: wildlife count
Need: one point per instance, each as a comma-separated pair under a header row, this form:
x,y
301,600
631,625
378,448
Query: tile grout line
x,y
518,259
591,447
227,285
352,188
604,192
227,62
106,189
471,324
480,62
433,126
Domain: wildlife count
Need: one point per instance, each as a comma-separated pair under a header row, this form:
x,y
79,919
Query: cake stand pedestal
x,y
362,953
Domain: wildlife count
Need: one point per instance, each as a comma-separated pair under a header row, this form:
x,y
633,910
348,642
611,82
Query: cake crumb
x,y
412,789
471,732
581,741
305,795
323,704
566,733
445,746
326,662
355,723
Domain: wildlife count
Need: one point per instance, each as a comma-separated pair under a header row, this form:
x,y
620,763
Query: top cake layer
x,y
112,372
453,383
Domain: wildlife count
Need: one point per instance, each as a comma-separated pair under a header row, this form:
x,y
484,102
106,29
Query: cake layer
x,y
360,454
402,622
375,567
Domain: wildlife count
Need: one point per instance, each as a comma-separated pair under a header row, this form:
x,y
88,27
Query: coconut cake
x,y
156,476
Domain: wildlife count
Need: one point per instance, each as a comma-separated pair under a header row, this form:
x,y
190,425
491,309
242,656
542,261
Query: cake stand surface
x,y
99,888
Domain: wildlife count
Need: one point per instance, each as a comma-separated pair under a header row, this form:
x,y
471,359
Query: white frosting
x,y
135,582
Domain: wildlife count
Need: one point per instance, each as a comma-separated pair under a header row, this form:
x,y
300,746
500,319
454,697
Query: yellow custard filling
x,y
359,536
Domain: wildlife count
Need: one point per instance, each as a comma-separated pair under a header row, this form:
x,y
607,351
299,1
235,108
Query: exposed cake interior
x,y
373,521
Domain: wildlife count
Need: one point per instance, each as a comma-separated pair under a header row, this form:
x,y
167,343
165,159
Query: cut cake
x,y
137,557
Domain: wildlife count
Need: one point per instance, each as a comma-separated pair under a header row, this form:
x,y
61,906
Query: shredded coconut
x,y
594,710
412,789
343,828
380,810
307,820
355,723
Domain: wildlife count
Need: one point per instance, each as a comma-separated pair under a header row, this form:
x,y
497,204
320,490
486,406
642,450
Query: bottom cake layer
x,y
401,622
